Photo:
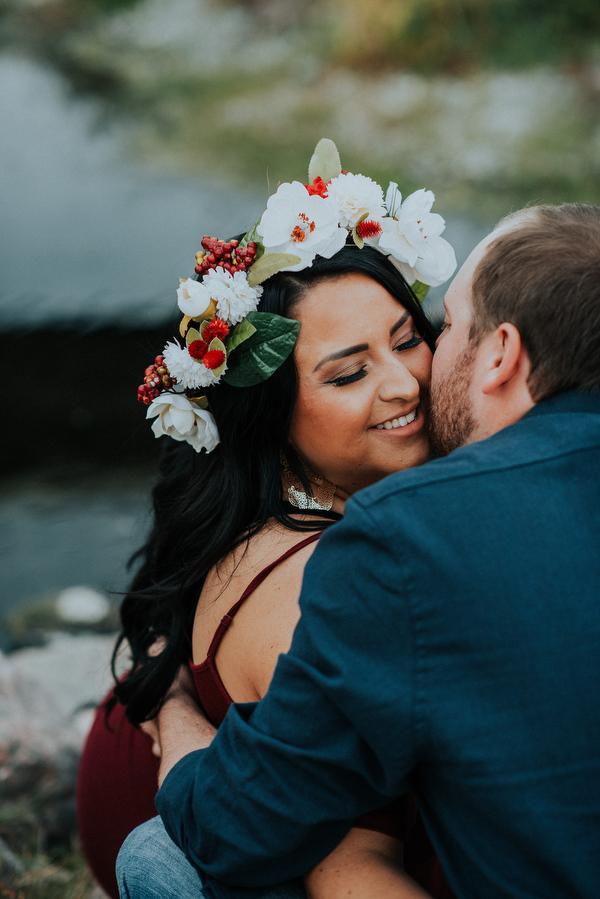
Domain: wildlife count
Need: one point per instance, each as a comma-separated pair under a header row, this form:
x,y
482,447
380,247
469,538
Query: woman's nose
x,y
398,383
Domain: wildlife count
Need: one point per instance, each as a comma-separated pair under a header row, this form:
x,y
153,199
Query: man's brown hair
x,y
542,274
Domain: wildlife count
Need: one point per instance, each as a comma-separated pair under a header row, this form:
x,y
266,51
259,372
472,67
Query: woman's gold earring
x,y
297,497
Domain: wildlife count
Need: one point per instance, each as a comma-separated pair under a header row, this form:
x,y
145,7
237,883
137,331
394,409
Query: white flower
x,y
180,419
355,196
413,239
232,294
192,297
296,222
188,371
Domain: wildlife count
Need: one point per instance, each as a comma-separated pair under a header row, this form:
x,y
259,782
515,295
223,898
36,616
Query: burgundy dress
x,y
118,773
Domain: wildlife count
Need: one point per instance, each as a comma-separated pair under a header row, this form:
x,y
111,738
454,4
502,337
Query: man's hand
x,y
180,727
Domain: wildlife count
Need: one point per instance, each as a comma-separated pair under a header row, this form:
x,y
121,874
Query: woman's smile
x,y
401,422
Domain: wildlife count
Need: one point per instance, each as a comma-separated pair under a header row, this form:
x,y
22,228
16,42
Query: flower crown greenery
x,y
230,340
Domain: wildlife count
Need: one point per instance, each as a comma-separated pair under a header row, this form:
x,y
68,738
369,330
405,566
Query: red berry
x,y
197,349
214,359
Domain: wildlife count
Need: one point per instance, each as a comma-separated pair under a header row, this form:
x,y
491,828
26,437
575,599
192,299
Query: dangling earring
x,y
297,497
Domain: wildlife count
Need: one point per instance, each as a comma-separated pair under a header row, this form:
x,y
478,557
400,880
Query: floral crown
x,y
232,342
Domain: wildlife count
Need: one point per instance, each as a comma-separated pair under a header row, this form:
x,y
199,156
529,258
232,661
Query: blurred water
x,y
77,527
87,235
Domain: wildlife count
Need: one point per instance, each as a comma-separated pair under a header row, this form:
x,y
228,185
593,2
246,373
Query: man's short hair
x,y
542,274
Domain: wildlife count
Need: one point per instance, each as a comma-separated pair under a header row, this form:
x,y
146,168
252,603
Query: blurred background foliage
x,y
458,35
492,103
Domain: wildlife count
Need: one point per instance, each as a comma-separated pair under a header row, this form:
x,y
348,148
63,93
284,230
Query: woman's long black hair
x,y
207,504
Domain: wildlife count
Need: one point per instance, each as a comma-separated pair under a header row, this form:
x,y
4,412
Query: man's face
x,y
453,419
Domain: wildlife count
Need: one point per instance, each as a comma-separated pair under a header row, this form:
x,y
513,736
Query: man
x,y
450,631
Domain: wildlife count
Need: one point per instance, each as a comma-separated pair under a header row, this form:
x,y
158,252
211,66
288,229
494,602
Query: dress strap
x,y
254,583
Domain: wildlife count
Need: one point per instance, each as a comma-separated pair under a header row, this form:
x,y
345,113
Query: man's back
x,y
498,558
448,644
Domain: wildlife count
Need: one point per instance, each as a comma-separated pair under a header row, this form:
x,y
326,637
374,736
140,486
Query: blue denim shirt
x,y
449,643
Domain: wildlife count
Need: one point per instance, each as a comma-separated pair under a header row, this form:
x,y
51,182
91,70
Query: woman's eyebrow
x,y
399,323
350,351
361,347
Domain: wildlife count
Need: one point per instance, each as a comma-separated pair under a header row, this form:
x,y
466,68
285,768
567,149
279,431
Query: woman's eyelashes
x,y
406,344
348,379
413,341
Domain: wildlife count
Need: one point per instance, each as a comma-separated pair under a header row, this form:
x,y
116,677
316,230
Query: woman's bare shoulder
x,y
265,624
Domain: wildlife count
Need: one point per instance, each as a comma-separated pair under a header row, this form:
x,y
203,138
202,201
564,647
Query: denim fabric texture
x,y
151,866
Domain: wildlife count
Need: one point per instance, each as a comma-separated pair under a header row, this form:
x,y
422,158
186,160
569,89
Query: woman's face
x,y
363,376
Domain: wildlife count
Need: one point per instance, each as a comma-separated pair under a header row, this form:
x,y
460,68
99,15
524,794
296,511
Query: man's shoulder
x,y
541,436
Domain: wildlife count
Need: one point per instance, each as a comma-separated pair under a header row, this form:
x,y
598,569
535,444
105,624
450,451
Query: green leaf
x,y
263,352
192,334
269,265
203,327
420,290
217,344
325,161
200,401
237,335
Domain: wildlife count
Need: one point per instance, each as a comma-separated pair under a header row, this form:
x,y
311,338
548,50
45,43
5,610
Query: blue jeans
x,y
151,866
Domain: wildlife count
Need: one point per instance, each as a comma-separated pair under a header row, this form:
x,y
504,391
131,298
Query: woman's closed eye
x,y
413,341
348,379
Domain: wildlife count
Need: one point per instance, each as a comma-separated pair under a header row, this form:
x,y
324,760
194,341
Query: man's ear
x,y
504,357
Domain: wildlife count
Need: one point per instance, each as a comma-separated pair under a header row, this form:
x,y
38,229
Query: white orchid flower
x,y
412,238
296,222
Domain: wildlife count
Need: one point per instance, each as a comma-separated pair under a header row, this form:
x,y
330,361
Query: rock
x,y
82,605
47,698
76,610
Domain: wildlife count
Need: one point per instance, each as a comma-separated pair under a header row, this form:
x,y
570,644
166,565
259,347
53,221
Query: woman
x,y
233,529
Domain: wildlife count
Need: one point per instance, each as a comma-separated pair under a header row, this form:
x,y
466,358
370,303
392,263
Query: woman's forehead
x,y
347,303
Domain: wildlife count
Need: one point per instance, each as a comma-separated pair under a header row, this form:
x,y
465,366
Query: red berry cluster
x,y
156,379
224,254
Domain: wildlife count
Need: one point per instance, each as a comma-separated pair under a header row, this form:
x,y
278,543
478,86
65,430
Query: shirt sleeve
x,y
333,738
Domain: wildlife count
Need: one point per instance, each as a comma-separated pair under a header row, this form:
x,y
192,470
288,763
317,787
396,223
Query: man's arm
x,y
282,782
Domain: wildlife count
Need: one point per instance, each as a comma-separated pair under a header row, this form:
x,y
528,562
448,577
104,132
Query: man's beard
x,y
451,419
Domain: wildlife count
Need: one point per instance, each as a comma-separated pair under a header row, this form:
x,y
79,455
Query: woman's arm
x,y
365,864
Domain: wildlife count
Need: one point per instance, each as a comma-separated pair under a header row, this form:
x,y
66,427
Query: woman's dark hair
x,y
207,504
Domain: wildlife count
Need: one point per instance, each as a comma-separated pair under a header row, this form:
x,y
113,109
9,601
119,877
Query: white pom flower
x,y
296,222
192,297
187,371
232,294
412,238
180,419
356,196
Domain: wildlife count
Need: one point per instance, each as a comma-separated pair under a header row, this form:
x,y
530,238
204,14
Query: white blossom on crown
x,y
411,235
187,371
180,419
232,294
296,222
192,297
356,196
